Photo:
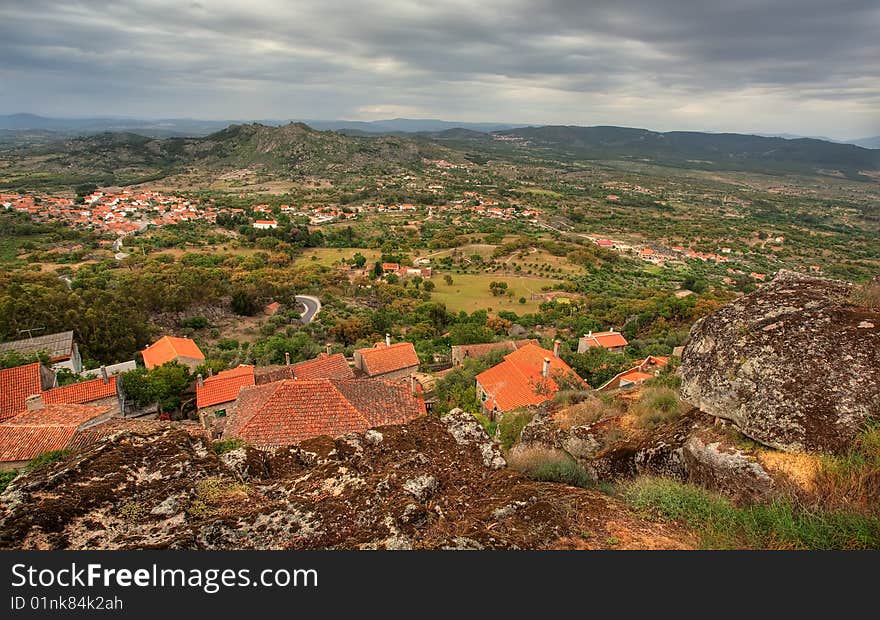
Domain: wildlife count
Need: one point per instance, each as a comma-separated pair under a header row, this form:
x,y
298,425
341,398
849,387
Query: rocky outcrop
x,y
793,365
715,464
429,484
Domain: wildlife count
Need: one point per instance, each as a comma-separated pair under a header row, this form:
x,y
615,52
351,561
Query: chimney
x,y
210,371
611,330
328,349
387,340
287,358
35,402
200,381
412,384
556,344
590,335
104,374
546,371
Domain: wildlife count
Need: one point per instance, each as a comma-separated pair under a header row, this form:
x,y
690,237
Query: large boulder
x,y
793,365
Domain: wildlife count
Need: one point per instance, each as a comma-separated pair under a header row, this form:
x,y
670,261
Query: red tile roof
x,y
608,340
518,380
322,367
382,359
16,384
476,351
224,386
288,412
169,348
31,433
637,374
84,392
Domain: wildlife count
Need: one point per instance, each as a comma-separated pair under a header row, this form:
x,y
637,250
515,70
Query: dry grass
x,y
548,465
581,413
867,296
657,405
851,482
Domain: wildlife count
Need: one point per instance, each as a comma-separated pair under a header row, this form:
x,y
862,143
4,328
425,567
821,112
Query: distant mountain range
x,y
123,154
187,127
723,151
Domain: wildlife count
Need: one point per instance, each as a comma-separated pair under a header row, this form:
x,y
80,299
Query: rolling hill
x,y
725,151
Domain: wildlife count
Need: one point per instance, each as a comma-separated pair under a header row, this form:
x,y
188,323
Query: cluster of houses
x,y
269,406
264,406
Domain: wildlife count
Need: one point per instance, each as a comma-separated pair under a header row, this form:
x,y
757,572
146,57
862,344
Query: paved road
x,y
313,307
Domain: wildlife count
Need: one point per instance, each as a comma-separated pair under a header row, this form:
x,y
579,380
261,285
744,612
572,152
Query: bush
x,y
657,405
490,426
511,425
5,478
549,465
45,458
227,445
195,322
779,524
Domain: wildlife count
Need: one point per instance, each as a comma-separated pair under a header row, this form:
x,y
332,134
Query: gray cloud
x,y
799,66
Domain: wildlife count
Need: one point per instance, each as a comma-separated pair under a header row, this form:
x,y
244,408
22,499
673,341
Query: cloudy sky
x,y
809,67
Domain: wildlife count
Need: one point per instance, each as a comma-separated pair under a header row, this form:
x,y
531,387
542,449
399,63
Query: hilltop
x,y
723,151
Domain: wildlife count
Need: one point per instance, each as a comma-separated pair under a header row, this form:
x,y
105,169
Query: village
x,y
276,405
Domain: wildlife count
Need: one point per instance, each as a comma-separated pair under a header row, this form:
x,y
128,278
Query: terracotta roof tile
x,y
31,433
224,386
322,367
382,359
169,348
607,340
288,412
83,392
518,380
16,384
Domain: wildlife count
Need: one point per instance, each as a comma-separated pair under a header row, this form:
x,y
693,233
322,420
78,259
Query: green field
x,y
471,292
330,257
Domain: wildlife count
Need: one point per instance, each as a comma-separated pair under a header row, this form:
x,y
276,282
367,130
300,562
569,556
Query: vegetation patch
x,y
549,465
779,524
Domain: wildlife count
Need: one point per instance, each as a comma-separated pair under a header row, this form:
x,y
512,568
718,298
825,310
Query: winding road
x,y
313,307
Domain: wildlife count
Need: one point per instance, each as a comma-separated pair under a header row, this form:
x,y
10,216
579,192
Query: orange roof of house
x,y
518,380
288,412
169,348
608,340
224,386
382,358
637,373
324,367
390,266
16,384
31,433
84,392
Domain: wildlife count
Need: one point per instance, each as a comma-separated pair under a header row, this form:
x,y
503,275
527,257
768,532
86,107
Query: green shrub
x,y
227,445
490,426
779,524
195,322
511,425
656,406
5,478
45,458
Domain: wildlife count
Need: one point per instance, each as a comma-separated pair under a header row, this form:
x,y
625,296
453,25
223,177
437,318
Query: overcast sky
x,y
809,67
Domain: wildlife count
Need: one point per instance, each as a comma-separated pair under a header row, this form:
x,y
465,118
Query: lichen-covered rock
x,y
466,430
793,365
718,466
579,441
418,488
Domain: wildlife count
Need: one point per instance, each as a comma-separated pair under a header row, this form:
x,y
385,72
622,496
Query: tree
x,y
359,260
428,286
448,279
164,385
244,303
498,288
